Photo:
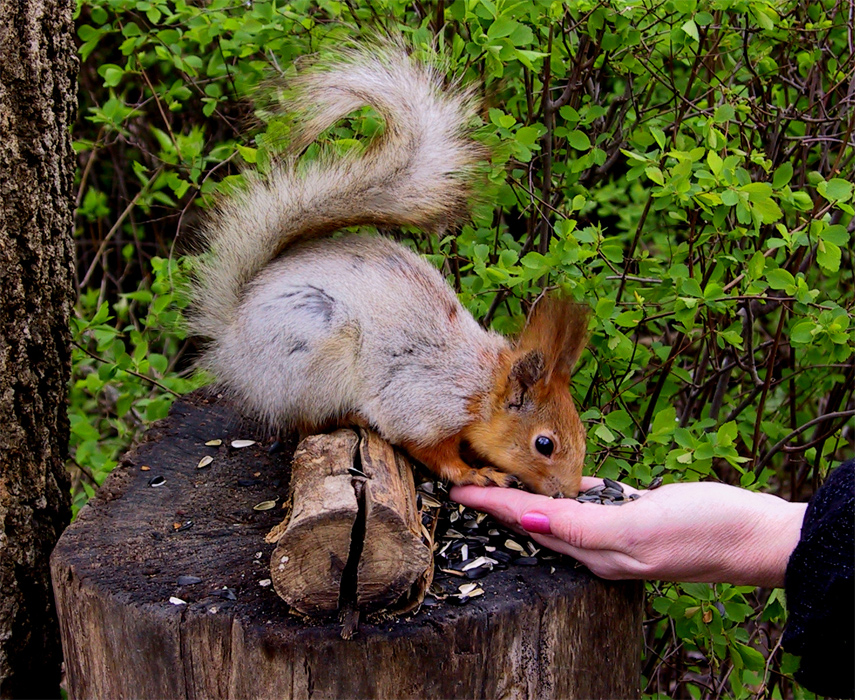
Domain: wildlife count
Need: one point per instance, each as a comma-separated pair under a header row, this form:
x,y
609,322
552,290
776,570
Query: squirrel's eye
x,y
544,445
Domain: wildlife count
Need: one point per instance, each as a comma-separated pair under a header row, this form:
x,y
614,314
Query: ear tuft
x,y
558,327
524,374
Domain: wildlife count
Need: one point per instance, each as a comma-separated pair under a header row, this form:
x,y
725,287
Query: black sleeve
x,y
820,589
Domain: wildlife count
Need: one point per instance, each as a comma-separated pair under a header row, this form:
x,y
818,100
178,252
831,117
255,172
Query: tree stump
x,y
163,590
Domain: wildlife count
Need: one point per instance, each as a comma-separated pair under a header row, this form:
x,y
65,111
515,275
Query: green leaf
x,y
527,135
752,658
757,191
701,591
727,434
782,176
756,265
602,432
655,174
828,255
802,332
723,113
836,234
503,26
690,287
619,420
605,307
715,163
664,421
579,140
691,29
768,211
837,190
779,279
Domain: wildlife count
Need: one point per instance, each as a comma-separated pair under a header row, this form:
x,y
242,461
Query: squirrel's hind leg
x,y
444,461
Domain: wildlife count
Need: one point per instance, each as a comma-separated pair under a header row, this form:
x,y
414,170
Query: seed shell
x,y
238,444
204,462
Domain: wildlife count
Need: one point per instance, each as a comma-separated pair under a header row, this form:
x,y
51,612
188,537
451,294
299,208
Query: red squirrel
x,y
311,331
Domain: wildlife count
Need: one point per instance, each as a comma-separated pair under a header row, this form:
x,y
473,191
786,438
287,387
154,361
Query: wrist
x,y
767,541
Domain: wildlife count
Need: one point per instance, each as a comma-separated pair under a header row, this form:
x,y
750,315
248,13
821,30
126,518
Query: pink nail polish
x,y
536,522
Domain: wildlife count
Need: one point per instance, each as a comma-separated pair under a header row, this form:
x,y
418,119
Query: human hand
x,y
701,531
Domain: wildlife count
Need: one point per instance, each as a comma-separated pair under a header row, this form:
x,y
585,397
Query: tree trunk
x,y
38,74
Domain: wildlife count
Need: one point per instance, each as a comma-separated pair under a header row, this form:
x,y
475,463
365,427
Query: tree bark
x,y
38,74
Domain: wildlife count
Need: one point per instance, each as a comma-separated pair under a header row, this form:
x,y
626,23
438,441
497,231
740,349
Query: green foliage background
x,y
683,166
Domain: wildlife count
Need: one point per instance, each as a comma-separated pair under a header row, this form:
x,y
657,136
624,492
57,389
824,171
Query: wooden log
x,y
548,631
311,554
354,534
396,566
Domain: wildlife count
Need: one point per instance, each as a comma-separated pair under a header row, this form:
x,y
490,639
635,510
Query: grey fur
x,y
306,329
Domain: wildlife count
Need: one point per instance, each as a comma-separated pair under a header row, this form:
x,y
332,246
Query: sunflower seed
x,y
515,546
156,481
188,580
430,501
214,443
225,592
609,483
526,561
264,505
474,563
478,572
204,462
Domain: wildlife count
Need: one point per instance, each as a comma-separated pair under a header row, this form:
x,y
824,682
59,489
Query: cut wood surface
x,y
164,591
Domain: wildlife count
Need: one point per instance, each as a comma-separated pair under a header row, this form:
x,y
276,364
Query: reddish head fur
x,y
531,429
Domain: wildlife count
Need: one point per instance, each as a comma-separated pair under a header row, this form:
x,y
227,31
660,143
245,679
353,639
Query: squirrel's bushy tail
x,y
418,173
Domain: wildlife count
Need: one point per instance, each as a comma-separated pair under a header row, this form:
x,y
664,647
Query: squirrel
x,y
312,331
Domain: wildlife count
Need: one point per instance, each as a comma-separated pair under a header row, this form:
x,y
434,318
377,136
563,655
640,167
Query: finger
x,y
505,504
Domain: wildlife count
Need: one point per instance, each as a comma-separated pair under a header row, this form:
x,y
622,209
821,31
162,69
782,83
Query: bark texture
x,y
38,73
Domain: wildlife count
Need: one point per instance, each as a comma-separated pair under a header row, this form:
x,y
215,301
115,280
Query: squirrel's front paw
x,y
487,476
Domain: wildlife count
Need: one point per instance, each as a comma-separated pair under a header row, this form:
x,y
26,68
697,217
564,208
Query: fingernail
x,y
536,522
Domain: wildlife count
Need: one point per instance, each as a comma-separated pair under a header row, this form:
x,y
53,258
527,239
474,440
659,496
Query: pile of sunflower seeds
x,y
609,493
469,546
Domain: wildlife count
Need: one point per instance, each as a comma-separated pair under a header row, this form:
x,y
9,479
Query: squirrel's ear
x,y
525,373
559,327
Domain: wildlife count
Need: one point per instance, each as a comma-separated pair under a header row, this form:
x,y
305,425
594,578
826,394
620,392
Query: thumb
x,y
581,525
